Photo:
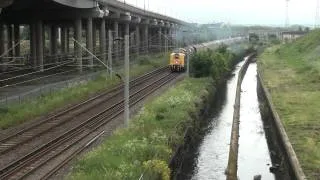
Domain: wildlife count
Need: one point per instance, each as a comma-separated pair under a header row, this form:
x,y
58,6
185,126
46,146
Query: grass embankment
x,y
20,113
291,72
147,145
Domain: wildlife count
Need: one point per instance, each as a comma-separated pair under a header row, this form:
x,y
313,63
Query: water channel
x,y
253,158
211,157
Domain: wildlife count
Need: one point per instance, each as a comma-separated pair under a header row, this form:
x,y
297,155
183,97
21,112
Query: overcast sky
x,y
265,12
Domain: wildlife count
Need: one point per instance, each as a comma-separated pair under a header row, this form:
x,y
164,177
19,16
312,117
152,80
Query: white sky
x,y
264,12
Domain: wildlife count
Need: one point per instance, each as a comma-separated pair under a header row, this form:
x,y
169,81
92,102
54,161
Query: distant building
x,y
292,35
264,34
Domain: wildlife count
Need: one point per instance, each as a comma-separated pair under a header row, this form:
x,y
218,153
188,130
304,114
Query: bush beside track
x,y
19,113
291,73
215,63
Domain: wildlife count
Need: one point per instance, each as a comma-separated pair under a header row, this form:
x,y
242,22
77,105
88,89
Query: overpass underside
x,y
37,33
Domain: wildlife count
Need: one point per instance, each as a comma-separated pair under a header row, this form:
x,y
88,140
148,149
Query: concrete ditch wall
x,y
294,169
232,167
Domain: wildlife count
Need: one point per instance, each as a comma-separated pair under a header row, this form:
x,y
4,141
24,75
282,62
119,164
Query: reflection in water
x,y
254,156
213,152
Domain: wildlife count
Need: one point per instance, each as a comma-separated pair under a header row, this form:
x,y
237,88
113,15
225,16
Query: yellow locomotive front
x,y
177,61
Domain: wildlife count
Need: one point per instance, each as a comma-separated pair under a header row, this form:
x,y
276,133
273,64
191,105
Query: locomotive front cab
x,y
177,61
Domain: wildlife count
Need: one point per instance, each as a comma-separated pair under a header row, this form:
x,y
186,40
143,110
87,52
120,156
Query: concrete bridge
x,y
53,23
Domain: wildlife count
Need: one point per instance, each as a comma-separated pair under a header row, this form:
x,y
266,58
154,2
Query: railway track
x,y
12,140
77,124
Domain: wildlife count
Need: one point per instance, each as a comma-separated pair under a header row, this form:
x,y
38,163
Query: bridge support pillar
x,y
175,39
121,42
160,39
49,32
2,44
33,44
103,40
146,38
77,47
53,42
68,41
110,46
17,39
116,36
94,37
89,41
2,41
166,49
137,32
170,38
39,44
132,42
63,40
10,40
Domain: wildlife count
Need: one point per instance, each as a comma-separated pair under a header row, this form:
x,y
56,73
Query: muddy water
x,y
253,156
212,155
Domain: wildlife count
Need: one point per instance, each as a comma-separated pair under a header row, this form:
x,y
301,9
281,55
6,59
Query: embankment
x,y
192,134
282,152
291,74
145,148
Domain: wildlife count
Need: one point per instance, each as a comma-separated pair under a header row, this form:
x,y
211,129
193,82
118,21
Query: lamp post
x,y
126,75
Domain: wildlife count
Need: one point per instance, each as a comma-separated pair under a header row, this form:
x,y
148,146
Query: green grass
x,y
292,75
19,113
146,146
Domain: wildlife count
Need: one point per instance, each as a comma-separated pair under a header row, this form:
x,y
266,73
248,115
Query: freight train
x,y
180,56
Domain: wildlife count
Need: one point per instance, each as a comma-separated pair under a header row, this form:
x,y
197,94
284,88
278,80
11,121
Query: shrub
x,y
214,63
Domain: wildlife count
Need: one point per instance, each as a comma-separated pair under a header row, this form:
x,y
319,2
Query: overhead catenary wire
x,y
105,65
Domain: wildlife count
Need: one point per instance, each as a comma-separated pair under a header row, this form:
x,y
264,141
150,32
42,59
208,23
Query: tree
x,y
306,29
253,38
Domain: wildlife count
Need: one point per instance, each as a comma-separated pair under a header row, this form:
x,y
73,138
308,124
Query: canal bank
x,y
258,156
284,159
291,74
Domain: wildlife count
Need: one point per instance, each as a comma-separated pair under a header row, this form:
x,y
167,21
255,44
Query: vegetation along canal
x,y
211,157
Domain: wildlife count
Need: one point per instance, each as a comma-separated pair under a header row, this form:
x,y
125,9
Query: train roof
x,y
179,50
